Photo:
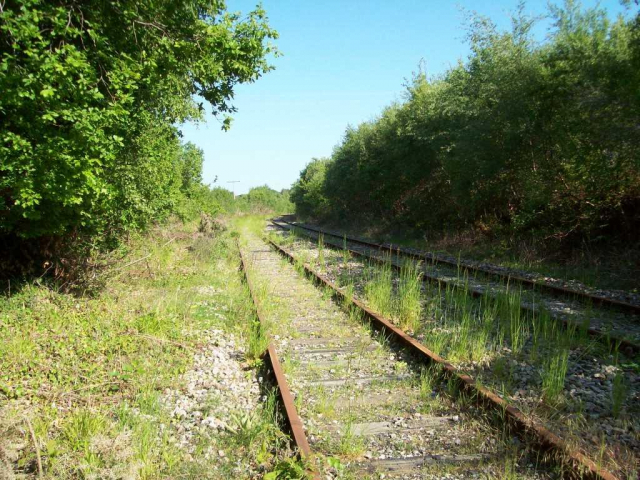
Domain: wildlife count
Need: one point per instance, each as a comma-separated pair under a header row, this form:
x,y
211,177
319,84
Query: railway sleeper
x,y
406,420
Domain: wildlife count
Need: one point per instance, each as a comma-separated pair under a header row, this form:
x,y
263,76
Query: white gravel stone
x,y
216,386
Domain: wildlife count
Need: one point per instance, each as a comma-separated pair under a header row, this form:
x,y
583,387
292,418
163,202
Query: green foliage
x,y
522,137
288,469
264,200
118,350
91,92
307,192
191,160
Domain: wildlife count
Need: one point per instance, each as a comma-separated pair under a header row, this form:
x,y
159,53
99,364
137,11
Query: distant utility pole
x,y
233,187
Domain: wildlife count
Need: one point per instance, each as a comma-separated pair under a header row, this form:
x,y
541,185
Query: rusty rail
x,y
582,465
627,346
293,419
432,258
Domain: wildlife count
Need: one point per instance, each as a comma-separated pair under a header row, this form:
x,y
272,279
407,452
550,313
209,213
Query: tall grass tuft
x,y
346,255
511,318
258,341
408,305
379,288
619,392
80,428
321,261
553,376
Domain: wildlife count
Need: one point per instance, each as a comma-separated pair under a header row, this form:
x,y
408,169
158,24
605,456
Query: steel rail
x,y
432,258
293,419
627,346
582,465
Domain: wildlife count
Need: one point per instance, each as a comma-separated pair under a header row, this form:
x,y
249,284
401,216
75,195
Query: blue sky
x,y
342,62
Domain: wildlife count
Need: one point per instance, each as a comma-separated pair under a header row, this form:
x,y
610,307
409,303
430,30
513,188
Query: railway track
x,y
618,299
574,309
371,402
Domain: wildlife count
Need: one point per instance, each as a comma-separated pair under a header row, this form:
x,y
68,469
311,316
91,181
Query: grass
x,y
350,445
321,260
553,376
258,341
428,382
88,371
619,392
257,432
603,267
402,303
494,338
379,288
512,320
80,427
408,303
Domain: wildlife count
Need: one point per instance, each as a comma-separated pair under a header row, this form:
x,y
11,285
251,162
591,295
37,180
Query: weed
x,y
427,382
145,443
540,323
400,367
511,318
321,260
438,342
257,341
619,391
149,402
478,345
510,469
452,386
585,324
348,292
355,314
553,376
502,370
379,288
81,426
325,403
351,444
337,465
257,431
409,307
346,255
287,469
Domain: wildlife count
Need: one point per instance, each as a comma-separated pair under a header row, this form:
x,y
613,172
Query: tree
x,y
91,92
523,137
307,193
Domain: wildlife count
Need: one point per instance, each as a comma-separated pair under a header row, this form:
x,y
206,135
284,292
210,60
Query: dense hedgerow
x,y
263,200
523,137
91,94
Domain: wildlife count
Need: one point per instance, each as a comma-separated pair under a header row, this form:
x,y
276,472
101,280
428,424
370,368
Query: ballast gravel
x,y
215,389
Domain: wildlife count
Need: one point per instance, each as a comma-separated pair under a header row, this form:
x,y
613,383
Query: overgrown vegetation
x,y
523,138
264,200
529,357
91,94
89,373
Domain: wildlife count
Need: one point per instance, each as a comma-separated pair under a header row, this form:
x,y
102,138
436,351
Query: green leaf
x,y
47,92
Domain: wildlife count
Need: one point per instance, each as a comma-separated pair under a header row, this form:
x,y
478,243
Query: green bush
x,y
307,193
524,137
263,200
91,92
